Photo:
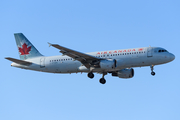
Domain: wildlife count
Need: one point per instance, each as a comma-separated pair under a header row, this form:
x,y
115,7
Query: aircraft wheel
x,y
91,75
153,73
102,81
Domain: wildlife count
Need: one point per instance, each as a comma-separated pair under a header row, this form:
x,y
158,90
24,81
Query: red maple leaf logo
x,y
140,49
24,50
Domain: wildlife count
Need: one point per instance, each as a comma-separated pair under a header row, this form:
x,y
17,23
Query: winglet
x,y
49,44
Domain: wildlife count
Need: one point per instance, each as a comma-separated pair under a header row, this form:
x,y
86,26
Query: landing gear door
x,y
149,52
42,62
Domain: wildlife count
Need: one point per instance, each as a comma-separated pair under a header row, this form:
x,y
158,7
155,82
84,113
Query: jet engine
x,y
108,64
124,73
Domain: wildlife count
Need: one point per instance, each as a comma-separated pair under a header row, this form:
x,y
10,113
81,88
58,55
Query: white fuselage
x,y
126,58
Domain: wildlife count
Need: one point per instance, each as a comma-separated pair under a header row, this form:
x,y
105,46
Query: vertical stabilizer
x,y
25,47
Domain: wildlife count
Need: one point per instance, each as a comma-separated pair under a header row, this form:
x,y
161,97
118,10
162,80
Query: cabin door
x,y
42,62
149,52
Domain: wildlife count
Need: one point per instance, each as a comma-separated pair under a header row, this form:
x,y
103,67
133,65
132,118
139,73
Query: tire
x,y
102,81
153,73
91,75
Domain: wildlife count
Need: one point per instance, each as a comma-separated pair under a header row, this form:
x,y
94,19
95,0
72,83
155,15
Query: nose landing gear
x,y
152,72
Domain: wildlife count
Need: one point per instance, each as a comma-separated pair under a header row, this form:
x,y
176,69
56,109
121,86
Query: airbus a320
x,y
118,63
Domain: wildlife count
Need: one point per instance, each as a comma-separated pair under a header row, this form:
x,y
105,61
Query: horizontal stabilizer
x,y
22,62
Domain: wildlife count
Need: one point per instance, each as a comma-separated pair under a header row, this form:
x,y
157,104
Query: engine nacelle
x,y
108,64
124,73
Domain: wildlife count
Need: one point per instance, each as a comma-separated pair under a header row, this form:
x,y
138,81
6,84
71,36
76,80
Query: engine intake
x,y
124,73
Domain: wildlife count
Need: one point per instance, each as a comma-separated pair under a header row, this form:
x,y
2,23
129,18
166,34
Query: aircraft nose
x,y
172,57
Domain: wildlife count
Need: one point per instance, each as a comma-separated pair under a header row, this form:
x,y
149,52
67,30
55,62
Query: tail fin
x,y
25,47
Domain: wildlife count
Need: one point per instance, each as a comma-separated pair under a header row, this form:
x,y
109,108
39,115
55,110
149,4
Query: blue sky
x,y
89,26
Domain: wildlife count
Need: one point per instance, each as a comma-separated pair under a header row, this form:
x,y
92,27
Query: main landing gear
x,y
90,75
152,72
102,80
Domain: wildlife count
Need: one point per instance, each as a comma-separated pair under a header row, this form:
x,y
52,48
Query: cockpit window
x,y
162,51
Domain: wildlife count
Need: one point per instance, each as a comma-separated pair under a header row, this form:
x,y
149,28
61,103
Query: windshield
x,y
162,50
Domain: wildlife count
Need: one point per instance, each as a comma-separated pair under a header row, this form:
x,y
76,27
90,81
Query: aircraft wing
x,y
22,62
85,59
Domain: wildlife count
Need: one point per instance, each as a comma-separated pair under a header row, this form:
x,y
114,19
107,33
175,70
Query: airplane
x,y
119,63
